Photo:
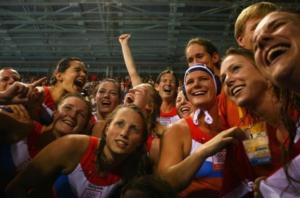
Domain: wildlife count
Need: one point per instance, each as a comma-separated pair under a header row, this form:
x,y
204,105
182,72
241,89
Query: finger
x,y
38,82
23,112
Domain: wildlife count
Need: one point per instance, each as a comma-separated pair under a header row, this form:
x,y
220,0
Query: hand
x,y
17,112
124,38
221,140
256,191
20,92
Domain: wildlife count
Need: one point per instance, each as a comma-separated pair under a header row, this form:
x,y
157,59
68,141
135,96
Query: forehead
x,y
195,48
76,63
273,16
72,100
8,72
197,73
124,113
108,84
167,76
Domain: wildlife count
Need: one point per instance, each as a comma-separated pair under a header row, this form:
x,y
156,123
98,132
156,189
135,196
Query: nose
x,y
262,40
124,132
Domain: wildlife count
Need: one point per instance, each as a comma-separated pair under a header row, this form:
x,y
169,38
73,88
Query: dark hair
x,y
207,44
62,65
136,163
152,186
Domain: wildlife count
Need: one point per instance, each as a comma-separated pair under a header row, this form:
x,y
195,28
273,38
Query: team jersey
x,y
167,118
208,177
84,181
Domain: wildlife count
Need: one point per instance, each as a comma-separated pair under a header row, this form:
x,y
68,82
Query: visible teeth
x,y
185,109
235,90
121,143
275,52
69,122
199,93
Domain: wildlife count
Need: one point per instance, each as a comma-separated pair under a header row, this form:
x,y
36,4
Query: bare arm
x,y
61,155
128,59
176,166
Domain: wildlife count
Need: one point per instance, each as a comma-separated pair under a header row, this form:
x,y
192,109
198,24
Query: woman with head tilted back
x,y
69,76
94,167
248,88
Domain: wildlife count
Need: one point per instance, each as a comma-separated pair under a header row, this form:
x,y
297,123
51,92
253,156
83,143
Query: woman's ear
x,y
59,76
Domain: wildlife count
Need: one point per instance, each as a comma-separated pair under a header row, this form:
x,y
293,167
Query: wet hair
x,y
79,96
152,186
115,82
155,103
137,163
257,10
167,71
62,66
210,48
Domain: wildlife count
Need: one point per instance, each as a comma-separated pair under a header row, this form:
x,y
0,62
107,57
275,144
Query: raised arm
x,y
128,59
60,156
176,166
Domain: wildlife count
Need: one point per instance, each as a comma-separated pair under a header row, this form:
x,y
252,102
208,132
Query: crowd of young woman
x,y
231,130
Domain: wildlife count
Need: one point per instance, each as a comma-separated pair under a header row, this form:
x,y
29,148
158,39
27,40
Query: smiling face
x,y
73,78
71,116
107,97
167,87
277,48
184,108
140,96
125,133
200,89
242,82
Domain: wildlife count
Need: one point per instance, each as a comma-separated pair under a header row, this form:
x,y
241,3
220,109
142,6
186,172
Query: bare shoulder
x,y
179,128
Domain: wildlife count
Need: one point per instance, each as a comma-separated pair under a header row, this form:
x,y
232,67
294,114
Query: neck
x,y
267,108
167,106
215,126
57,92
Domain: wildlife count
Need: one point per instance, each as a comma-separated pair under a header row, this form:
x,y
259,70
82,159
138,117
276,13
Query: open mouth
x,y
236,90
185,109
129,100
198,93
167,89
106,103
121,143
79,83
70,123
276,52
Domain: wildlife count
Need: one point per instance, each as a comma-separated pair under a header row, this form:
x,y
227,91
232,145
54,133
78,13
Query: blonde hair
x,y
257,10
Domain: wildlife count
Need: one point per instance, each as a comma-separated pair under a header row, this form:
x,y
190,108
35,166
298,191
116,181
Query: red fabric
x,y
48,100
173,112
88,164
